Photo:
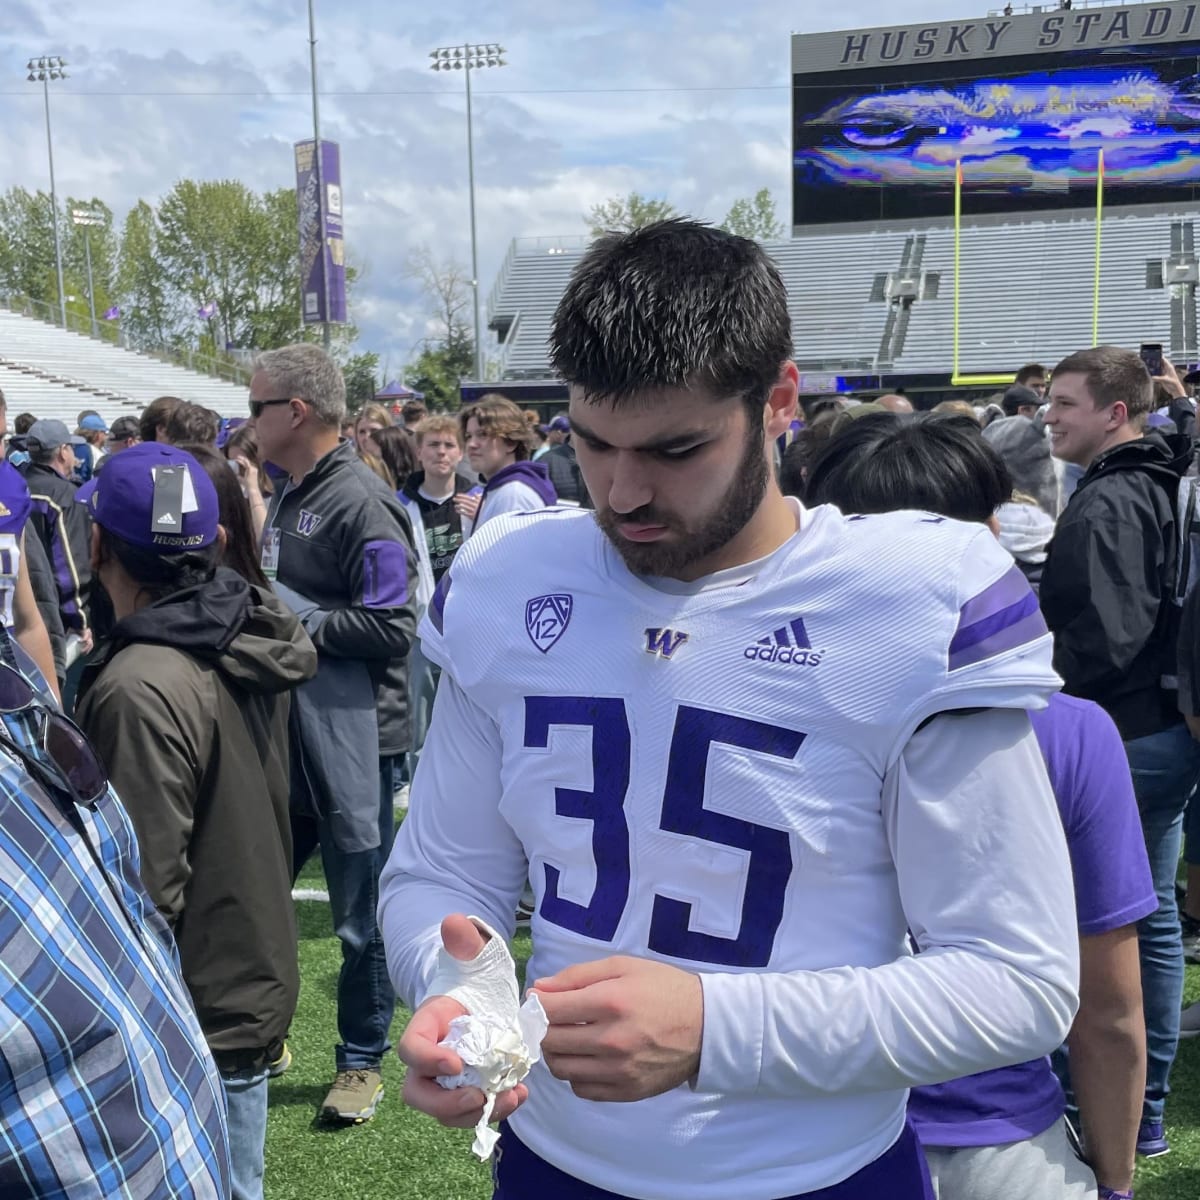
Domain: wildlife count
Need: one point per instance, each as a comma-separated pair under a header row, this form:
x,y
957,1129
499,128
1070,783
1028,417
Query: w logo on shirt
x,y
664,642
307,523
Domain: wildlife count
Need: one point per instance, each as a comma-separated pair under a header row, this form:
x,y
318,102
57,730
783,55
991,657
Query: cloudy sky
x,y
686,100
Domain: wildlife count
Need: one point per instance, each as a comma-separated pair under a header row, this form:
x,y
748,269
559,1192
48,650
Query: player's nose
x,y
630,487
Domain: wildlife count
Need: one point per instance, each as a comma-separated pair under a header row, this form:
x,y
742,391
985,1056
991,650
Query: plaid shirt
x,y
106,1085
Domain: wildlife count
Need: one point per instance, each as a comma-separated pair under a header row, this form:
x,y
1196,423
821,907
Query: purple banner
x,y
321,257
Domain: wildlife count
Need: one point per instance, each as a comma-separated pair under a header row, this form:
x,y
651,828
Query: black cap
x,y
122,428
1019,396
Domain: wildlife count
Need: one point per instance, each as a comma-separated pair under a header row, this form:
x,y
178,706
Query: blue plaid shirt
x,y
106,1086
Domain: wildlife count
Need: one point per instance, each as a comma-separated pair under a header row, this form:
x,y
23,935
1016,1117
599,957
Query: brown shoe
x,y
354,1097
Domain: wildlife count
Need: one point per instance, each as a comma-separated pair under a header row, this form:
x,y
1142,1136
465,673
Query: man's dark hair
x,y
413,410
1113,373
161,575
933,464
674,304
193,423
157,412
1018,397
22,423
1030,371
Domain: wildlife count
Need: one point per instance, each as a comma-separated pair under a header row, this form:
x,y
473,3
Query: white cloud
x,y
218,89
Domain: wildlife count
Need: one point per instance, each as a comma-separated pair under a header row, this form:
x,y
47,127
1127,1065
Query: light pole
x,y
467,58
43,70
89,218
326,332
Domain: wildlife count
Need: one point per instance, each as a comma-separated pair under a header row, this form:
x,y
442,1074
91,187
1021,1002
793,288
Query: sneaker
x,y
1189,1023
525,912
281,1064
354,1097
1152,1141
1191,937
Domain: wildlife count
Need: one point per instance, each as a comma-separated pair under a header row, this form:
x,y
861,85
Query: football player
x,y
726,740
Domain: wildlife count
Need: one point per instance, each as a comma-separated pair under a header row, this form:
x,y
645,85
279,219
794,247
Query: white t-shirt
x,y
735,780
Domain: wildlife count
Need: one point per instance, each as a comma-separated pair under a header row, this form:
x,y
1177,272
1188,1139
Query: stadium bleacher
x,y
1026,292
53,373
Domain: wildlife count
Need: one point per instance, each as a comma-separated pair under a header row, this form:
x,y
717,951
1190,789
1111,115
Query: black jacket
x,y
65,531
1107,574
564,472
346,547
187,705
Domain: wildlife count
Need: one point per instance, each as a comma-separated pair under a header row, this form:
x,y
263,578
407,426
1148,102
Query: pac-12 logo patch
x,y
547,618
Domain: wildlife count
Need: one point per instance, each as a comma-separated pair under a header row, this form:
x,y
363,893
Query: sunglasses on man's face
x,y
256,406
77,768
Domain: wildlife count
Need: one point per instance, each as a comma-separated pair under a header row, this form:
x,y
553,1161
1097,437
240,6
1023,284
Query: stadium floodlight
x,y
472,56
89,219
44,70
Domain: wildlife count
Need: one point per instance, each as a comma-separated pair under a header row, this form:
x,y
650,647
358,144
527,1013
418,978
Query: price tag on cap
x,y
167,513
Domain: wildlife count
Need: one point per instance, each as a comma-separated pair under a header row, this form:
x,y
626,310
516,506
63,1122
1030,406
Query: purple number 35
x,y
683,812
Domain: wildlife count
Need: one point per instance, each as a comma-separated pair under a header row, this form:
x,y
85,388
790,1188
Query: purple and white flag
x,y
113,314
207,310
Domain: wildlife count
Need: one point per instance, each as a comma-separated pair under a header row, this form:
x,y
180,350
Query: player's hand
x,y
467,506
622,1028
462,1107
87,642
1170,380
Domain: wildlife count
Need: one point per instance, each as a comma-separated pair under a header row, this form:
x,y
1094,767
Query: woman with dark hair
x,y
395,446
241,449
241,541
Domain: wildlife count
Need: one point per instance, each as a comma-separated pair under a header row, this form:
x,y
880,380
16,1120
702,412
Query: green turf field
x,y
402,1155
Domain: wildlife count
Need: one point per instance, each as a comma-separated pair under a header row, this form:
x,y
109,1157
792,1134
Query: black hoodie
x,y
1105,583
187,706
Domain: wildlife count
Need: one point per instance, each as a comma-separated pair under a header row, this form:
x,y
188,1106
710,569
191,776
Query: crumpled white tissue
x,y
496,1058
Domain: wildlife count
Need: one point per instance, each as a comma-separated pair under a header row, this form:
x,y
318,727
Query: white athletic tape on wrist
x,y
486,986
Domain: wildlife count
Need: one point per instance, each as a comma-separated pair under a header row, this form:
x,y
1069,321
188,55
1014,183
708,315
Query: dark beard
x,y
733,512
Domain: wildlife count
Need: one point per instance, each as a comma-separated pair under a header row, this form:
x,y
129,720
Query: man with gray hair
x,y
338,545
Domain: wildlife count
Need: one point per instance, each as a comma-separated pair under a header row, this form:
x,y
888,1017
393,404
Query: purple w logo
x,y
664,642
307,523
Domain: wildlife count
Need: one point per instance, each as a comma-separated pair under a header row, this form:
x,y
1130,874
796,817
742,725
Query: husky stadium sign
x,y
995,37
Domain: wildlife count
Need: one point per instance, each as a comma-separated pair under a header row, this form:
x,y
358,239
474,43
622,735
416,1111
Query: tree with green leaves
x,y
448,356
754,217
361,373
622,214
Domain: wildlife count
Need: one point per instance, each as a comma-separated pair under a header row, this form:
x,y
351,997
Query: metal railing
x,y
114,335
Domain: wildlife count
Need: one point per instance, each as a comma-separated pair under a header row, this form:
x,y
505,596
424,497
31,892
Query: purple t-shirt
x,y
1089,774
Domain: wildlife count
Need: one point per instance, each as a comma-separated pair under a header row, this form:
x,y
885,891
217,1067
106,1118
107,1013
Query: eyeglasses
x,y
70,764
256,406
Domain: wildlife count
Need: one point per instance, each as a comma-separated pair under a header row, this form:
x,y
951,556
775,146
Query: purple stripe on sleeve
x,y
437,606
385,575
1018,625
1005,592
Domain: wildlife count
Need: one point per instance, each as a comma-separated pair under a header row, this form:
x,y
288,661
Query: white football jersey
x,y
717,780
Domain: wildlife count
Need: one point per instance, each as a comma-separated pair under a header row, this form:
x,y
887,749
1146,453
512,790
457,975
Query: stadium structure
x,y
52,372
968,196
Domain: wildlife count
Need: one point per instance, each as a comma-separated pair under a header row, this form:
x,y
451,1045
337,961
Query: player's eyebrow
x,y
674,441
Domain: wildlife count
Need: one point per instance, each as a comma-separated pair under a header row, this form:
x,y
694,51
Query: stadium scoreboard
x,y
1032,108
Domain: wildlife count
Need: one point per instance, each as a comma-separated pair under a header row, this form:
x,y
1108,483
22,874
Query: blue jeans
x,y
1165,768
365,999
246,1102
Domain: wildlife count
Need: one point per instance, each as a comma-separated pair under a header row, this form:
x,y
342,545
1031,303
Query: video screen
x,y
882,145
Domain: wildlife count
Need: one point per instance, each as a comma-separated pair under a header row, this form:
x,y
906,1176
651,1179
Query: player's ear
x,y
783,401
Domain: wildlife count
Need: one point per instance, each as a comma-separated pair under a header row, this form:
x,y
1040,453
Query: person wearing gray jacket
x,y
339,548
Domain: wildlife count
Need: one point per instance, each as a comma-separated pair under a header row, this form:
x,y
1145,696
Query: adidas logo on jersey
x,y
787,645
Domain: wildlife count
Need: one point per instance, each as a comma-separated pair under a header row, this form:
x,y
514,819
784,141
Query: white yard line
x,y
310,894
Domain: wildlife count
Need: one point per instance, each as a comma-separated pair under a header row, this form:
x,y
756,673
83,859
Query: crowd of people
x,y
838,756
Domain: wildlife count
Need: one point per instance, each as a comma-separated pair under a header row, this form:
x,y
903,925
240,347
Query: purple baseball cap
x,y
560,424
154,496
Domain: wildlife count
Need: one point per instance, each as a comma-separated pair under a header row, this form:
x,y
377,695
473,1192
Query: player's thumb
x,y
462,938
